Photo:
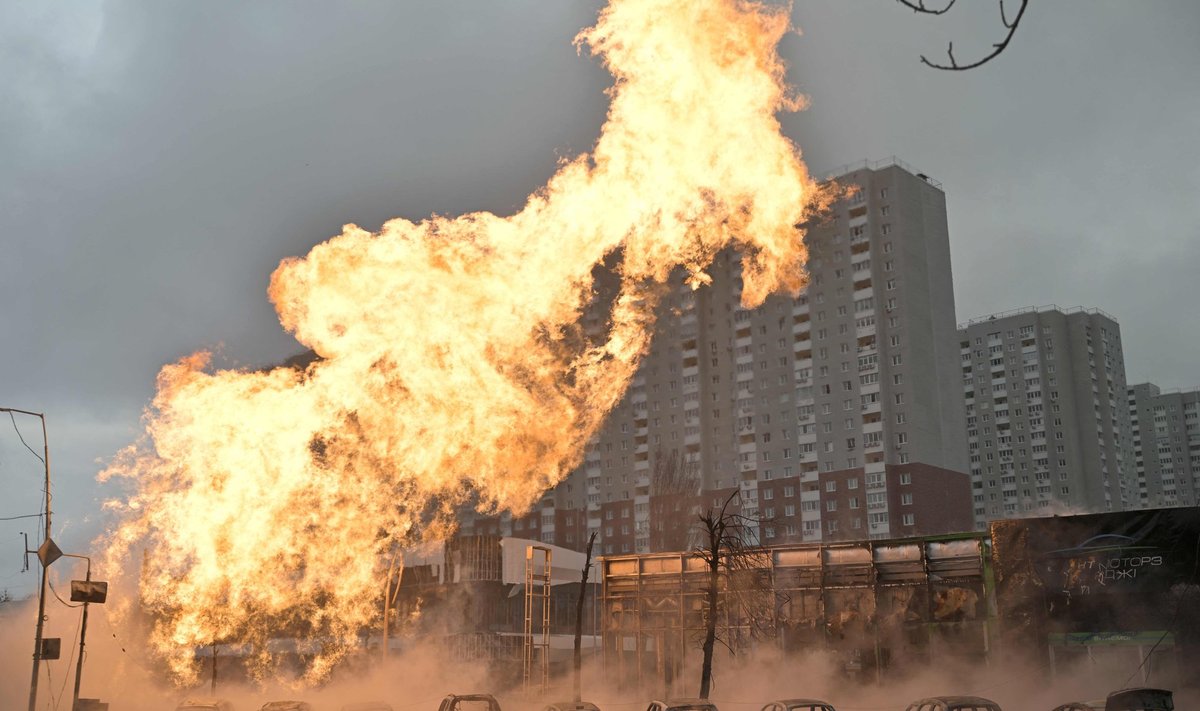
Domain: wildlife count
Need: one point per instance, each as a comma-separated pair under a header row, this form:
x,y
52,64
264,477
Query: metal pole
x,y
214,669
82,637
37,641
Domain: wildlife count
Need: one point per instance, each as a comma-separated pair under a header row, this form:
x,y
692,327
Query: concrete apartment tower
x,y
1048,424
1166,445
836,415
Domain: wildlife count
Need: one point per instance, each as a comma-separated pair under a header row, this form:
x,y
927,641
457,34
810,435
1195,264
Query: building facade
x,y
1166,445
1047,428
836,415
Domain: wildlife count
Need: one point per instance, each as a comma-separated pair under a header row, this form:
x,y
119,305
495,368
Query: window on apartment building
x,y
831,486
909,519
906,499
906,478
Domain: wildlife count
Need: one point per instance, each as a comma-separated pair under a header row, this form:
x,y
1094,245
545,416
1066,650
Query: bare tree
x,y
920,7
583,583
738,584
674,485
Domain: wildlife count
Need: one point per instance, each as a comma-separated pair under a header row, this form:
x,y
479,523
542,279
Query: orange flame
x,y
451,365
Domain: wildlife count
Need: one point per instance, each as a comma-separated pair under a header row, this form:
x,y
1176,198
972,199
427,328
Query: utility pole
x,y
37,643
583,582
87,594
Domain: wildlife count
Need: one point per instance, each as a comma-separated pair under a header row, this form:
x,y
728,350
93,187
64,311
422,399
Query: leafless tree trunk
x,y
735,563
713,547
583,583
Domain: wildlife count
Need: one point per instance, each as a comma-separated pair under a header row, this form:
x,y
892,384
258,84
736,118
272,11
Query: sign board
x,y
90,705
1100,574
48,552
95,591
51,646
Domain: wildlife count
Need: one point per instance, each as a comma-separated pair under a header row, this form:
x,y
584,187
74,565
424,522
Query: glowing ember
x,y
451,362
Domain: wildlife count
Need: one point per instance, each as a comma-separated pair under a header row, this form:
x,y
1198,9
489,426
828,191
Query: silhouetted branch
x,y
919,6
954,66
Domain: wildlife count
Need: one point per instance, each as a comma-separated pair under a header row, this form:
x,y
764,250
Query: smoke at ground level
x,y
417,676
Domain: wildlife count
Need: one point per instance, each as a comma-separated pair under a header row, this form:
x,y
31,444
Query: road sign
x,y
51,646
94,591
48,552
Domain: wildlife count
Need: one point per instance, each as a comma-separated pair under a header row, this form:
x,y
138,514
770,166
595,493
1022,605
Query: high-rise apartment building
x,y
836,415
1166,445
1048,425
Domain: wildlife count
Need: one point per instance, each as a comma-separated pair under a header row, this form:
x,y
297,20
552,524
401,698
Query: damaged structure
x,y
1118,590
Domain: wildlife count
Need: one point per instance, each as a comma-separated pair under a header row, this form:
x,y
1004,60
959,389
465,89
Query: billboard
x,y
1101,575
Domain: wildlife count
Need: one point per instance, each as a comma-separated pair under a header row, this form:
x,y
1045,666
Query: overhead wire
x,y
49,497
51,584
13,417
71,657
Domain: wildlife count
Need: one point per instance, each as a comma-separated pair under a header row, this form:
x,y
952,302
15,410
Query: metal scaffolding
x,y
874,604
537,606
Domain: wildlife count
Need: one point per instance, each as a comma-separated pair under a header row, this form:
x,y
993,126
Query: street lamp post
x,y
87,592
37,644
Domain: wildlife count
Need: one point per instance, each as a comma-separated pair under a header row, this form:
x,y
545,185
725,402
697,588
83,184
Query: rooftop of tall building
x,y
1035,310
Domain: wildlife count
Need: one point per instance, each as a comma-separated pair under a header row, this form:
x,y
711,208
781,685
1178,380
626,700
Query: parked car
x,y
682,705
1140,699
799,705
287,706
205,705
954,703
571,706
469,702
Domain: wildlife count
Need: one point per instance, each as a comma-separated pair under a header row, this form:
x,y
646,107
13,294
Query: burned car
x,y
799,705
205,705
954,703
682,705
1139,699
469,702
571,706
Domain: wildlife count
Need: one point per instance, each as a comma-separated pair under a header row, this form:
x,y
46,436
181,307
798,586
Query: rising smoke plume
x,y
451,364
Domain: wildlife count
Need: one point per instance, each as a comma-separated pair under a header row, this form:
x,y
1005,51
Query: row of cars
x,y
1140,699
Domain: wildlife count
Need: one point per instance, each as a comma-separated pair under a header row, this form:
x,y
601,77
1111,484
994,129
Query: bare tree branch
x,y
997,48
919,6
735,587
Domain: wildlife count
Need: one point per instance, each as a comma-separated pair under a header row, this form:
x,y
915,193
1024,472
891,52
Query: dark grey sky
x,y
158,159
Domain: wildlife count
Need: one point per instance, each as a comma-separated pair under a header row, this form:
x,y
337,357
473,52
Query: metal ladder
x,y
537,587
